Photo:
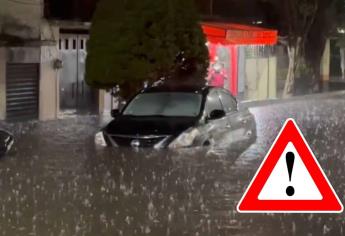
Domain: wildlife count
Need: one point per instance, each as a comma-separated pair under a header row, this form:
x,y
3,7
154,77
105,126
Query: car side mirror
x,y
6,142
122,104
115,113
216,114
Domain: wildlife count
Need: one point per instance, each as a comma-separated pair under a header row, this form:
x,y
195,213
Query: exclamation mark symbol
x,y
290,159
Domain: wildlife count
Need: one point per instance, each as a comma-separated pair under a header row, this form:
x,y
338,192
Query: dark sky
x,y
70,9
243,11
240,10
236,8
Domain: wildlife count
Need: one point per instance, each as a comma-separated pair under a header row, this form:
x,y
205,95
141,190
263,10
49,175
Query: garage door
x,y
22,91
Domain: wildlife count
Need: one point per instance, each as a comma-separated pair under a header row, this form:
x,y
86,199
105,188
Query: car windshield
x,y
168,104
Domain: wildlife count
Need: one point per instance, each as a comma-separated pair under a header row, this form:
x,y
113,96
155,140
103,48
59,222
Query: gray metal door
x,y
22,81
75,94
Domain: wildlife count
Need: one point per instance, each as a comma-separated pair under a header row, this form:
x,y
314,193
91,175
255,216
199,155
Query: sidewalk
x,y
325,95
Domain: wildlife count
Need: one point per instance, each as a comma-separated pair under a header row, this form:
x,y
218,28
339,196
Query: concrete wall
x,y
326,61
282,68
48,86
2,83
23,55
49,83
20,19
102,104
261,78
106,102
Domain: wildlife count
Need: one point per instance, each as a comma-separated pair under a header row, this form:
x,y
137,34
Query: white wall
x,y
49,83
326,61
261,78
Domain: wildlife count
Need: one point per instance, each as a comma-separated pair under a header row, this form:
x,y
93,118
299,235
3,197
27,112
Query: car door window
x,y
229,103
213,103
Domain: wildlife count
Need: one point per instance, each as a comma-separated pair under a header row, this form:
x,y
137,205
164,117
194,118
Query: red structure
x,y
228,37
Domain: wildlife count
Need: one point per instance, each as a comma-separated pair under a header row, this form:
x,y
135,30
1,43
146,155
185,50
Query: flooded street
x,y
54,181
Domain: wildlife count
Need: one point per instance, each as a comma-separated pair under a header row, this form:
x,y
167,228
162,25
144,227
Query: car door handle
x,y
243,121
228,126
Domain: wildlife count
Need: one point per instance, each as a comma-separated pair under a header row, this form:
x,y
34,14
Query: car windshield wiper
x,y
153,115
160,116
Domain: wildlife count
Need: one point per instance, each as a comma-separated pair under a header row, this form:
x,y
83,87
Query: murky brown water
x,y
56,183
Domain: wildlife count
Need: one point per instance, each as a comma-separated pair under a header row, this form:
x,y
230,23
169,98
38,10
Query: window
x,y
213,103
60,44
82,44
66,44
229,103
74,44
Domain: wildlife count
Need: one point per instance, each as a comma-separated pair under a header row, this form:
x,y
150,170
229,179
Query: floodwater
x,y
54,181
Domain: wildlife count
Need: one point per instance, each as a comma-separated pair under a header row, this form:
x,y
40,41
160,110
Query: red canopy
x,y
226,33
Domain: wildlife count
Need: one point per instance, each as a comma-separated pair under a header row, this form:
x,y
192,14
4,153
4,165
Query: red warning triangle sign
x,y
290,180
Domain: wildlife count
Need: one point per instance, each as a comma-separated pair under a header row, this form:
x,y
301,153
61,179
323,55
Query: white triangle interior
x,y
303,184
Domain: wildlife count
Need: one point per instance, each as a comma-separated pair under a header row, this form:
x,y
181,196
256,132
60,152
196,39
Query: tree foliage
x,y
134,41
304,26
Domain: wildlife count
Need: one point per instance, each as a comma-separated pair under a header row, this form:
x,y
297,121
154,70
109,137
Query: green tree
x,y
135,41
304,26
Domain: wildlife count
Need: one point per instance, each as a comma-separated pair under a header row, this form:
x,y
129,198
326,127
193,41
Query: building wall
x,y
49,83
21,18
23,55
48,86
326,61
261,78
2,83
107,102
104,103
25,20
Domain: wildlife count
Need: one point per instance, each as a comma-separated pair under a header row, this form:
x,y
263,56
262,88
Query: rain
x,y
56,182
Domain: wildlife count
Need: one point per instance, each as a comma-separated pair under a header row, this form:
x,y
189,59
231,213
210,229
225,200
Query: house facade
x,y
28,80
247,56
42,63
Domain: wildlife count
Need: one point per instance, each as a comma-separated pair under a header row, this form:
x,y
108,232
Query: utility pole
x,y
211,7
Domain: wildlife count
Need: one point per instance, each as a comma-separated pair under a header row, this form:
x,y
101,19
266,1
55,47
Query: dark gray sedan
x,y
6,142
179,117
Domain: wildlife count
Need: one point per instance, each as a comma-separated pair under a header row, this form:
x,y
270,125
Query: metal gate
x,y
75,95
22,81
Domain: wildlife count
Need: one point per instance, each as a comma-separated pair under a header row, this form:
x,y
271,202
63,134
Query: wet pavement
x,y
55,182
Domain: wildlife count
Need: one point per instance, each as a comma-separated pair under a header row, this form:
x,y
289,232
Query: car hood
x,y
149,125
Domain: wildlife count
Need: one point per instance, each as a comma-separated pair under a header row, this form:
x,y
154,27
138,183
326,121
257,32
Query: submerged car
x,y
179,117
6,142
